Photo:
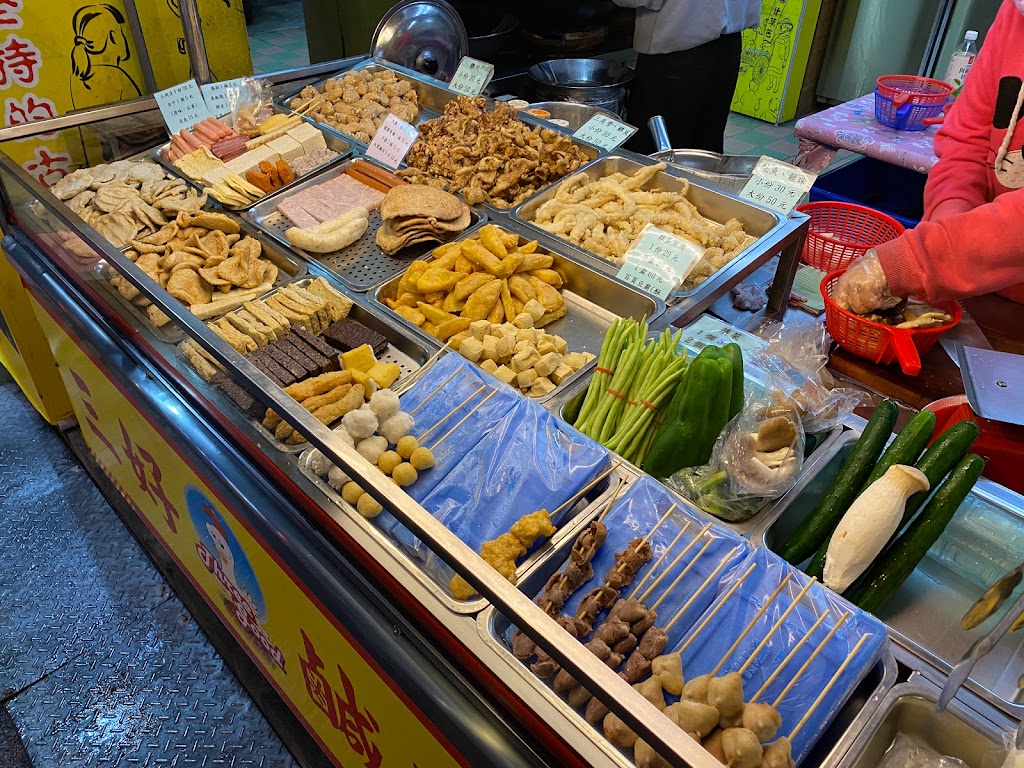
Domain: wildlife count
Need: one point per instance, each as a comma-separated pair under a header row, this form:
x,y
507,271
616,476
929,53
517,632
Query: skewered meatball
x,y
713,745
351,492
741,748
698,720
763,719
697,689
405,474
670,669
368,506
778,754
406,446
645,757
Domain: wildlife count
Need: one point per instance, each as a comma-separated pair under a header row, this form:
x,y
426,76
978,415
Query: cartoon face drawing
x,y
227,560
1009,165
100,49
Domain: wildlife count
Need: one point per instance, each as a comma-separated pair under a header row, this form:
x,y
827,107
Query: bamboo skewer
x,y
814,654
422,438
686,549
714,611
657,525
662,556
440,386
750,625
789,657
421,371
828,687
711,577
682,574
462,421
587,488
778,623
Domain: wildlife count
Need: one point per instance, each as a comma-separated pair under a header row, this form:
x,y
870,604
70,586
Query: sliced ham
x,y
292,209
329,200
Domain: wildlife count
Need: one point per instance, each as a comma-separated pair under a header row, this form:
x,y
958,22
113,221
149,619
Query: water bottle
x,y
961,61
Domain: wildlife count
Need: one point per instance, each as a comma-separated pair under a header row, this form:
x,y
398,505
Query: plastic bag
x,y
796,357
907,752
756,459
251,102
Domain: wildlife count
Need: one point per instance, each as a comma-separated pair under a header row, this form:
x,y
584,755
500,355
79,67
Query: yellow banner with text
x,y
354,713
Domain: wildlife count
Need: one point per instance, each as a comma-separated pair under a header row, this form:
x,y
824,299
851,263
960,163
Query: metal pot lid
x,y
426,36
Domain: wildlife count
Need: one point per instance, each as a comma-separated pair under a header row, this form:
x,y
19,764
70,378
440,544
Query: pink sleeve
x,y
963,254
960,181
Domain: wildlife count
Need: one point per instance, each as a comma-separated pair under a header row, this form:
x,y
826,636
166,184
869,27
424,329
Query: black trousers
x,y
691,89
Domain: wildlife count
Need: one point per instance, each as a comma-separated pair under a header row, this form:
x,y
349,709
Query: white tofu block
x,y
541,387
525,379
525,359
479,329
561,373
287,147
534,309
547,364
505,374
505,348
214,175
301,131
523,320
576,360
561,347
490,348
472,349
544,346
309,137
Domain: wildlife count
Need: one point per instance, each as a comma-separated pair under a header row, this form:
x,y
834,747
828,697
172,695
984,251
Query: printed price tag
x,y
605,132
219,96
658,261
392,141
471,77
182,106
777,185
707,331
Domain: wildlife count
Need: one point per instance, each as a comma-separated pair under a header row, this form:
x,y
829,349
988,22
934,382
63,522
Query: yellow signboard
x,y
357,715
774,60
62,55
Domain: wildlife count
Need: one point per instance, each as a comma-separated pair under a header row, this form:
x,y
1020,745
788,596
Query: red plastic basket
x,y
910,103
882,343
842,232
924,91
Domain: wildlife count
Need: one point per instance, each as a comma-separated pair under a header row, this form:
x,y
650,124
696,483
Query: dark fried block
x,y
316,342
241,398
346,335
281,355
266,364
323,363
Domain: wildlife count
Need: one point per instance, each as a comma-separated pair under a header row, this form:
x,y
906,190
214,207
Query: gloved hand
x,y
863,288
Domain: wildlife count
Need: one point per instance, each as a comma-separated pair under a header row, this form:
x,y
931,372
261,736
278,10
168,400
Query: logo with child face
x,y
223,556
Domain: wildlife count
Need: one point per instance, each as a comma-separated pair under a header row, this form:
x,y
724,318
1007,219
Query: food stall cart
x,y
348,611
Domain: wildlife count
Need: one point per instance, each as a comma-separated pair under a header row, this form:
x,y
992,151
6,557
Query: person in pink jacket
x,y
971,240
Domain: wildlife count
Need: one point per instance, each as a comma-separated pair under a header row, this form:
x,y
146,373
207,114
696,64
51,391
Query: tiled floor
x,y
277,38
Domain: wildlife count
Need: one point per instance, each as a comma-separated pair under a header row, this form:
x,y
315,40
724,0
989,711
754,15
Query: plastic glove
x,y
863,288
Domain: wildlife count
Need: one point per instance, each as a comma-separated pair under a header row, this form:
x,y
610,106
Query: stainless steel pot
x,y
593,82
728,172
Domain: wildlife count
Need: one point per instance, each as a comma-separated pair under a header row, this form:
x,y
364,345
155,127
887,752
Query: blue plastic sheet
x,y
710,645
634,514
503,463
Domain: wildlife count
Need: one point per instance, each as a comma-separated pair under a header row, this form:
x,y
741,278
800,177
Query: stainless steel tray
x,y
290,269
924,615
407,353
332,138
431,95
909,708
593,302
363,264
712,204
493,627
568,402
530,573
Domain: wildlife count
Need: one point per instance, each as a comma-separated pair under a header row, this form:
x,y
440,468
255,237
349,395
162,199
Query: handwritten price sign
x,y
471,77
777,185
659,261
392,141
219,96
605,132
182,106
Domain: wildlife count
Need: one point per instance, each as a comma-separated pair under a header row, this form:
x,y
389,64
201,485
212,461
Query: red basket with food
x,y
882,343
842,232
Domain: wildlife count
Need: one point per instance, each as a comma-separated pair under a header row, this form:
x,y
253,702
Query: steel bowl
x,y
576,115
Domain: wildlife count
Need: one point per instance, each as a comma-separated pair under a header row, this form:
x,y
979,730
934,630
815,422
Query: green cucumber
x,y
906,448
945,453
896,564
829,510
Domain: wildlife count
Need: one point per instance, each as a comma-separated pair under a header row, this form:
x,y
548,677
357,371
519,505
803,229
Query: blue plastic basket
x,y
926,99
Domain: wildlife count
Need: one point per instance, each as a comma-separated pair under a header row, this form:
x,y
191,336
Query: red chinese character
x,y
357,725
28,110
317,687
19,62
9,10
91,416
48,169
151,479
